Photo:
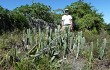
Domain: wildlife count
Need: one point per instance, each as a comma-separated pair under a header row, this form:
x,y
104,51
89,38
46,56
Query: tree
x,y
86,16
107,28
37,10
4,19
10,20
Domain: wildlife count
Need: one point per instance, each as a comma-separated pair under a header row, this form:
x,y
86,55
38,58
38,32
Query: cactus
x,y
65,48
97,43
102,49
28,33
91,56
59,28
45,44
71,41
82,41
77,52
28,39
91,52
79,37
74,46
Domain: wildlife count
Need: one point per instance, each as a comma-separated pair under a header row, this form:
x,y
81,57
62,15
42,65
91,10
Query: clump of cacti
x,y
55,46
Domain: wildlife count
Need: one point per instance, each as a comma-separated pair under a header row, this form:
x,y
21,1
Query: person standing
x,y
66,20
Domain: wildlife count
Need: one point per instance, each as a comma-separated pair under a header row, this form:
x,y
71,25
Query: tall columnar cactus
x,y
28,38
28,33
65,48
71,42
77,52
33,34
36,42
82,41
91,56
24,38
56,32
97,43
39,37
102,49
91,52
47,31
79,41
59,28
79,37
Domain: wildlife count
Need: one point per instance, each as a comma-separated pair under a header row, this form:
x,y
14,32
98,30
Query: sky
x,y
101,5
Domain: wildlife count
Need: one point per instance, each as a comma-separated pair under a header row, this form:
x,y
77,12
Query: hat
x,y
66,10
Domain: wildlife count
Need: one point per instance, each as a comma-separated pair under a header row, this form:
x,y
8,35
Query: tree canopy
x,y
10,20
86,16
37,10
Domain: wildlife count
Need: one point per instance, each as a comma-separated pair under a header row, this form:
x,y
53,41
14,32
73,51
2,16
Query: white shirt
x,y
66,19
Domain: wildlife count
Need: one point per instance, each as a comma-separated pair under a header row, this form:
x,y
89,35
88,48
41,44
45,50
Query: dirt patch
x,y
74,64
101,64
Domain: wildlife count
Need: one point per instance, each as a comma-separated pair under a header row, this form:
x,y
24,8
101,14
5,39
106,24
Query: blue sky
x,y
101,5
